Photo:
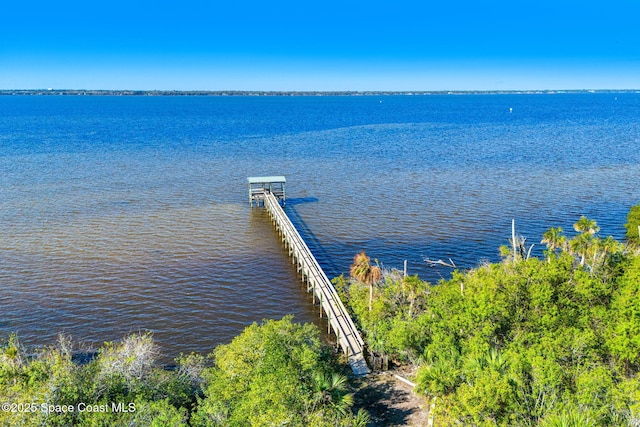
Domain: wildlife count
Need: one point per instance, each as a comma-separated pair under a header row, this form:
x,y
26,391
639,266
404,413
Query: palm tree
x,y
610,245
362,271
330,391
602,248
586,225
580,245
554,239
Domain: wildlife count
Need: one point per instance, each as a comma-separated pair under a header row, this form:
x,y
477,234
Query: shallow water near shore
x,y
126,214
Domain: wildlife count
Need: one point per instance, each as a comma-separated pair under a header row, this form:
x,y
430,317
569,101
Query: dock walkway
x,y
317,282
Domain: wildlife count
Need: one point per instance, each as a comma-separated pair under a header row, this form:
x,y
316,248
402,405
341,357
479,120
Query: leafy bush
x,y
122,386
525,342
275,373
633,222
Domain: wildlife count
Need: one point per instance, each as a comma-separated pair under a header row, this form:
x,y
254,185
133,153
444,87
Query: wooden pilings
x,y
338,319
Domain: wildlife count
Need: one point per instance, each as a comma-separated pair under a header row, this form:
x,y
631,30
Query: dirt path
x,y
389,401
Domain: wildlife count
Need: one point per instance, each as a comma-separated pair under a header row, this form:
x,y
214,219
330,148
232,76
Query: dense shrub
x,y
633,222
275,373
524,342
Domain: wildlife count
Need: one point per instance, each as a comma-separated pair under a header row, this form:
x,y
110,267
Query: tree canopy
x,y
277,373
524,342
274,373
633,225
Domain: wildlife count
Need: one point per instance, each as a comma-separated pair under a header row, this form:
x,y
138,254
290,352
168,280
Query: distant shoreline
x,y
82,92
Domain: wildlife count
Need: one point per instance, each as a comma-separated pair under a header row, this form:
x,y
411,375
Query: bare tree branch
x,y
433,263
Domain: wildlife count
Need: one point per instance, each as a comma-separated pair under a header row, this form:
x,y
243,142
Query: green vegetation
x,y
365,273
121,386
633,225
524,342
276,373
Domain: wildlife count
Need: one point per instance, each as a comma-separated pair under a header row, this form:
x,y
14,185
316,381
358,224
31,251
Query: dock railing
x,y
338,317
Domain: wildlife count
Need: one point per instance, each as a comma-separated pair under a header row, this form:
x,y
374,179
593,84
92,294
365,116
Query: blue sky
x,y
322,45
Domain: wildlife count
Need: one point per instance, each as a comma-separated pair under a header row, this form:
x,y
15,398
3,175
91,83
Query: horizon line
x,y
259,92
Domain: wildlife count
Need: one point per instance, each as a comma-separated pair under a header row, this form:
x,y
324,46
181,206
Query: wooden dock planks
x,y
317,281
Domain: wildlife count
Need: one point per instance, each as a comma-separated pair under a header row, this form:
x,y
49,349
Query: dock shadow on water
x,y
321,254
307,306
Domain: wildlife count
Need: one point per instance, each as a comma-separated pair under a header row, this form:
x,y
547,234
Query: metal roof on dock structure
x,y
266,179
259,186
269,191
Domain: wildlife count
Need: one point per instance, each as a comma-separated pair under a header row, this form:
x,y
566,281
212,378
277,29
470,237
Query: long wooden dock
x,y
317,282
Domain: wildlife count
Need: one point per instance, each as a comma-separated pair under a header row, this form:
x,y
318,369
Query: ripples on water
x,y
127,214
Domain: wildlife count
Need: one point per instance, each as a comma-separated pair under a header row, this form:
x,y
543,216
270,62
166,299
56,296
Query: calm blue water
x,y
121,214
